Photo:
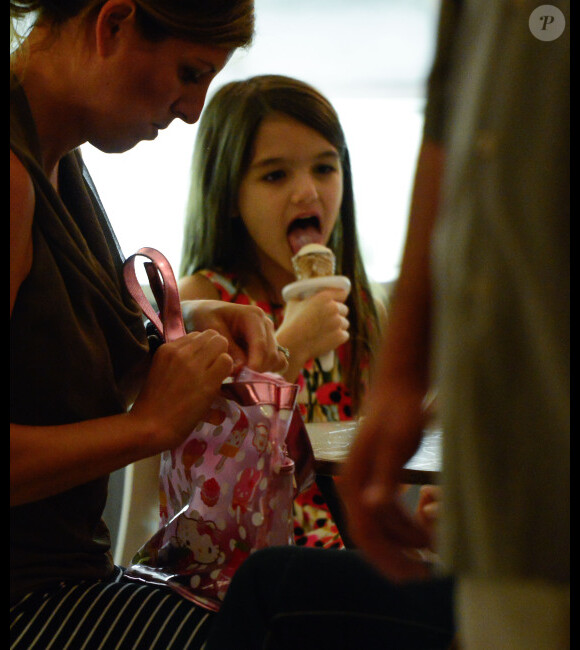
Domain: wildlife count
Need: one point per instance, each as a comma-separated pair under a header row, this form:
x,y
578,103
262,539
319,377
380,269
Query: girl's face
x,y
143,86
291,194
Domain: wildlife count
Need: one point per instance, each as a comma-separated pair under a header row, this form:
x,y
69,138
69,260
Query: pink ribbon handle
x,y
162,281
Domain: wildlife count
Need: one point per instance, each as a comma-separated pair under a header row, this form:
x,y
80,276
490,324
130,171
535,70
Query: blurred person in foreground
x,y
481,311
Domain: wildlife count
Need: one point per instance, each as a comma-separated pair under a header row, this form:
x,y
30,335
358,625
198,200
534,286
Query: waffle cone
x,y
313,265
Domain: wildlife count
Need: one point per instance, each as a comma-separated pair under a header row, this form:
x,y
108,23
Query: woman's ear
x,y
114,19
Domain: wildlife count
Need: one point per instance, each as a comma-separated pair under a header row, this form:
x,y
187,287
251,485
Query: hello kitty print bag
x,y
228,489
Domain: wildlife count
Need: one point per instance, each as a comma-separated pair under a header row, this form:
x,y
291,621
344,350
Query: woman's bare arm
x,y
183,380
21,215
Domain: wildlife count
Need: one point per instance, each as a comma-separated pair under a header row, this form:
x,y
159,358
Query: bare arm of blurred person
x,y
395,416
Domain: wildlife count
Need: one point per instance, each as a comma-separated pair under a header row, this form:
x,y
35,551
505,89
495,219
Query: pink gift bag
x,y
227,490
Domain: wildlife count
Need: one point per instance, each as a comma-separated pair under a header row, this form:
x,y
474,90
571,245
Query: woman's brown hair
x,y
223,23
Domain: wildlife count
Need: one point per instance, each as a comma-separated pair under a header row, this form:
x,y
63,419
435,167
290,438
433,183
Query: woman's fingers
x,y
248,330
257,346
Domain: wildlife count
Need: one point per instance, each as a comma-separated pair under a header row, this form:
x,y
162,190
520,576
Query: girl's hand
x,y
184,378
248,330
314,326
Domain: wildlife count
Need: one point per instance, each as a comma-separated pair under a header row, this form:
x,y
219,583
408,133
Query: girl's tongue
x,y
303,234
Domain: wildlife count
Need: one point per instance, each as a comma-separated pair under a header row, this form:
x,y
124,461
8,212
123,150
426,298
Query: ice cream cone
x,y
313,261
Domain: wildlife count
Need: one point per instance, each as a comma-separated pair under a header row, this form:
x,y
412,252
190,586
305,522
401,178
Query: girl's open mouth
x,y
304,230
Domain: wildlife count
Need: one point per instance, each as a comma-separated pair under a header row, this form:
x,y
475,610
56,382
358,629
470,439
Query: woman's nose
x,y
304,189
189,106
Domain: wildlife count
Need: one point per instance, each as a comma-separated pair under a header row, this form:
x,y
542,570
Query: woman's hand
x,y
184,378
314,326
247,329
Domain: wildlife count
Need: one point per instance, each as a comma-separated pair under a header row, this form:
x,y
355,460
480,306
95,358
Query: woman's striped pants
x,y
120,614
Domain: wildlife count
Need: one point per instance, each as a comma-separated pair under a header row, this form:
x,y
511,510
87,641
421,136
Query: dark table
x,y
331,442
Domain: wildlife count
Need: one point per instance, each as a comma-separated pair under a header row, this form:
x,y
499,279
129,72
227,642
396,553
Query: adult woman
x,y
111,73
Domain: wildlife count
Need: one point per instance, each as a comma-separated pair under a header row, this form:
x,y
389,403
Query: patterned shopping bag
x,y
228,489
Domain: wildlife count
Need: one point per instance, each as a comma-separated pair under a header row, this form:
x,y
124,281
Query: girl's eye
x,y
324,168
276,175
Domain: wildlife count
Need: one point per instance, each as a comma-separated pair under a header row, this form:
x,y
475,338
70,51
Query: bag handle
x,y
169,321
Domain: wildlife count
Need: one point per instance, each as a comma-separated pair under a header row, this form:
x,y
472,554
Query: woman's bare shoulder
x,y
21,190
21,215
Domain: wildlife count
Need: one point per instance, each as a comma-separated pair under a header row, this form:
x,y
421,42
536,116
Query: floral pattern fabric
x,y
322,397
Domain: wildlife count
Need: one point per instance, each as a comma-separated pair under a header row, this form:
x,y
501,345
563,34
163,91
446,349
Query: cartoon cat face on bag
x,y
200,537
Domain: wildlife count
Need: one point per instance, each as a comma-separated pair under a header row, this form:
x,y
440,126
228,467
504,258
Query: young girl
x,y
271,172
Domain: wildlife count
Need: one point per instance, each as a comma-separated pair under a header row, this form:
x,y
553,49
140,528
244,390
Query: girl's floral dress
x,y
322,398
